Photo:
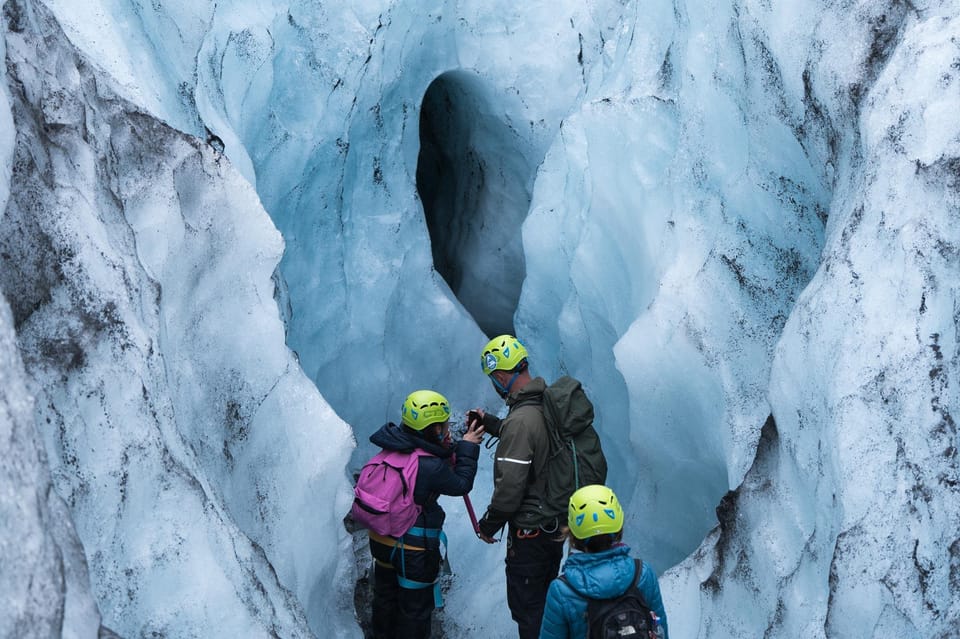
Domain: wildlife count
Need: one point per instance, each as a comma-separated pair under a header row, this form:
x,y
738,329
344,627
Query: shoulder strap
x,y
636,582
638,570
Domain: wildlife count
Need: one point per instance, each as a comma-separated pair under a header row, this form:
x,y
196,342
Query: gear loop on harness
x,y
556,526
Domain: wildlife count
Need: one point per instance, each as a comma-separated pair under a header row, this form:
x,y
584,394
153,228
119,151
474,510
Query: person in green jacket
x,y
534,545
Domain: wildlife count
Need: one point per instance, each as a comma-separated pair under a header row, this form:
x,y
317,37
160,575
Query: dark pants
x,y
402,613
533,561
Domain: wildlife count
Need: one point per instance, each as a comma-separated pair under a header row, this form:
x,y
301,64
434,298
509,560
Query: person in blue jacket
x,y
407,568
599,566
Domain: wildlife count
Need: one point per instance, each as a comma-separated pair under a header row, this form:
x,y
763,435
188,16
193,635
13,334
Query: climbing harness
x,y
398,544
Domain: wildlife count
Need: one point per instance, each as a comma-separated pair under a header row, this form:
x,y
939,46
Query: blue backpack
x,y
383,497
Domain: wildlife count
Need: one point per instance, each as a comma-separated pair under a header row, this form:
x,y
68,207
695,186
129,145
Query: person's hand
x,y
475,430
488,529
489,540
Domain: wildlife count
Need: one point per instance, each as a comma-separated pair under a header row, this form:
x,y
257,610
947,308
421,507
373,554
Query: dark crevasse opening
x,y
474,179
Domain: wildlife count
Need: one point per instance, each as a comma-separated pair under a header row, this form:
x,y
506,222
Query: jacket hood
x,y
600,575
393,437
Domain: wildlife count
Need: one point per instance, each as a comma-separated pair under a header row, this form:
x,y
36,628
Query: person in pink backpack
x,y
407,564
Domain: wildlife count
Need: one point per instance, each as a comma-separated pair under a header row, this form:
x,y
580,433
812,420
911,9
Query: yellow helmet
x,y
424,407
503,353
594,510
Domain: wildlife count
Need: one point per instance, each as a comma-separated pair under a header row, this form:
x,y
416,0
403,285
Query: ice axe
x,y
473,516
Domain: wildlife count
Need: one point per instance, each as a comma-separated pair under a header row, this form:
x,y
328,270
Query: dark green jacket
x,y
520,461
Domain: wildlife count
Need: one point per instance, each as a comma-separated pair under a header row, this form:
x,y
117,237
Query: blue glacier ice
x,y
236,235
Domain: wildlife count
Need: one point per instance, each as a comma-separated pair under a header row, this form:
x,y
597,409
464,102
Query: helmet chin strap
x,y
504,391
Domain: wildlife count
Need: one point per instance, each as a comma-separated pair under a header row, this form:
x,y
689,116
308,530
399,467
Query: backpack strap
x,y
638,570
636,582
393,542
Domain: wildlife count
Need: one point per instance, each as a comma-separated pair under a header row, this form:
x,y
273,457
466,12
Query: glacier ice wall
x,y
731,208
187,443
676,218
847,523
44,587
318,105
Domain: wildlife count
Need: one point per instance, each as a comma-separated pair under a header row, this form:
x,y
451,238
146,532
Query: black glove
x,y
491,424
488,526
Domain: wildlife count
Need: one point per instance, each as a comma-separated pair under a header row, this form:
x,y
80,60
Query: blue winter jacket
x,y
601,575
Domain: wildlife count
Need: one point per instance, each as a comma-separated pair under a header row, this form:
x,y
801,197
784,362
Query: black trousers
x,y
402,613
533,561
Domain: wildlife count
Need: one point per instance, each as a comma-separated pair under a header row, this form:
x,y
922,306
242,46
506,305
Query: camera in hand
x,y
474,416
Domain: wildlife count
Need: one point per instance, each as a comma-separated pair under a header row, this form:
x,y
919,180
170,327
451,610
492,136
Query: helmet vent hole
x,y
474,175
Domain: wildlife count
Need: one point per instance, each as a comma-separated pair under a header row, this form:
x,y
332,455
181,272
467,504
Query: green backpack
x,y
576,457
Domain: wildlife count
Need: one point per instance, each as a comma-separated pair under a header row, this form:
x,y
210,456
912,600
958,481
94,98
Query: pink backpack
x,y
383,496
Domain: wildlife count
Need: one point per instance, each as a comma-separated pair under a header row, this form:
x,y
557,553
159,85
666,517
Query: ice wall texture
x,y
319,105
675,219
706,180
44,587
847,524
197,460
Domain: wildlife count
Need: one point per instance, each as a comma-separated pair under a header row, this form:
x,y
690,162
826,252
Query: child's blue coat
x,y
601,575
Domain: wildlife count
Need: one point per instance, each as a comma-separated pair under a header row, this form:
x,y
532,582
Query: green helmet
x,y
424,407
502,353
594,510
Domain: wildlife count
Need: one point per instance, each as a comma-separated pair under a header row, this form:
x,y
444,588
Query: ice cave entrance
x,y
474,178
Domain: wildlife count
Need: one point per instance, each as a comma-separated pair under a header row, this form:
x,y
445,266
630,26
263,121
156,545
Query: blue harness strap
x,y
427,533
417,585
